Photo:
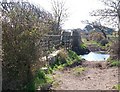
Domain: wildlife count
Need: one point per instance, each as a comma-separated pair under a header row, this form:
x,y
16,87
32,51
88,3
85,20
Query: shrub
x,y
115,63
21,31
73,55
114,50
65,58
42,80
96,36
62,55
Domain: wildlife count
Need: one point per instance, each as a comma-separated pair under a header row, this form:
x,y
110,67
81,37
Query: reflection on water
x,y
94,56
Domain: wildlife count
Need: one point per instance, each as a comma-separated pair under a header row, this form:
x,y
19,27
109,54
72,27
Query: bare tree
x,y
59,12
112,14
98,25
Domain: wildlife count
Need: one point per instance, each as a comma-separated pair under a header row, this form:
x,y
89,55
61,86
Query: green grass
x,y
41,78
60,67
44,77
56,83
83,46
73,56
117,87
115,63
78,70
70,59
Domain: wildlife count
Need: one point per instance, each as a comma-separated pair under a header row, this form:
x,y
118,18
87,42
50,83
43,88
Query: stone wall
x,y
66,36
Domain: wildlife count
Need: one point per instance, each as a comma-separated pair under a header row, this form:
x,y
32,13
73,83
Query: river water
x,y
95,56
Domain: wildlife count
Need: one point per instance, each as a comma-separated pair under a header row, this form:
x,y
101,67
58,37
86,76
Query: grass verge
x,y
44,79
117,87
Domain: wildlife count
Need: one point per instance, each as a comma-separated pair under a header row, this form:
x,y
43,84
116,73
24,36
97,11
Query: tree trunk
x,y
119,33
103,33
58,25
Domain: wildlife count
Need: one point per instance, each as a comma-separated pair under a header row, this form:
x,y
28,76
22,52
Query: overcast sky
x,y
78,10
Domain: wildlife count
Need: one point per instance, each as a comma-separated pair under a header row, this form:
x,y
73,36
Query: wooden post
x,y
0,50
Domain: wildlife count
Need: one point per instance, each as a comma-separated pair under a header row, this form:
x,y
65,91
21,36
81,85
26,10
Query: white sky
x,y
78,10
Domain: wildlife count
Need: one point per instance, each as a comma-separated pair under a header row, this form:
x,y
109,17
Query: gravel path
x,y
96,77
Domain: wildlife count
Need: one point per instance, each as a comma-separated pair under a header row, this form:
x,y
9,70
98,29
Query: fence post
x,y
0,52
0,67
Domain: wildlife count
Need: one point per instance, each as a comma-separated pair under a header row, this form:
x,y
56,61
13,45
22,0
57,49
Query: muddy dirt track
x,y
96,76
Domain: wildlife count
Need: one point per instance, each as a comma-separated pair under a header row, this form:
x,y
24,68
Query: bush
x,y
114,50
115,63
65,58
41,79
96,36
73,55
21,31
62,55
83,49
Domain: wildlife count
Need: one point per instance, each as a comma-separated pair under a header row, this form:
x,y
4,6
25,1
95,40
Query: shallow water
x,y
95,56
